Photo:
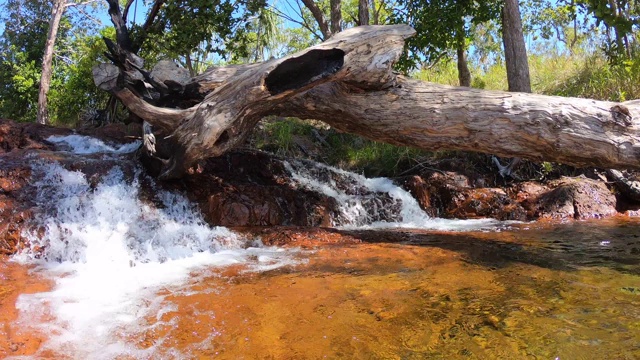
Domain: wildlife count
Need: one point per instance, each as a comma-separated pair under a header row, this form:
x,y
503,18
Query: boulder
x,y
252,188
451,195
576,198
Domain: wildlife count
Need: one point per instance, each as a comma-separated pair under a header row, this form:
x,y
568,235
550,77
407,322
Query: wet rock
x,y
420,190
14,135
303,237
16,201
435,192
486,203
252,188
576,198
451,195
526,194
21,145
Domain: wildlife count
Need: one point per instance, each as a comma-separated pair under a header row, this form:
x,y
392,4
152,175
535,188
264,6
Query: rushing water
x,y
113,274
374,203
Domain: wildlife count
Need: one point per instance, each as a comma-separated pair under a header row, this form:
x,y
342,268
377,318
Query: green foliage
x,y
182,27
599,79
19,81
621,16
441,26
371,158
73,90
277,134
299,138
444,72
21,50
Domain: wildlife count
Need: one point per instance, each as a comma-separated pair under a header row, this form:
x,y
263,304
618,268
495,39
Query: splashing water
x,y
370,203
80,144
110,253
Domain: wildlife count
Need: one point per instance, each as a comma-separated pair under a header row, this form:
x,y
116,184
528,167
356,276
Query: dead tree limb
x,y
349,83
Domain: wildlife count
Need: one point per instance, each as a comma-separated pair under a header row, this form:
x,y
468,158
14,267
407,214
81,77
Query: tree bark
x,y
515,51
516,61
47,61
349,82
464,75
376,11
363,12
122,33
336,16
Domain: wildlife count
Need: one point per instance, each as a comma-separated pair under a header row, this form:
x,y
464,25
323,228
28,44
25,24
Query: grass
x,y
317,141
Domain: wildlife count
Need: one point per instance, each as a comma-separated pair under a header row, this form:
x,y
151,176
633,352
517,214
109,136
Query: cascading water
x,y
109,252
111,247
369,203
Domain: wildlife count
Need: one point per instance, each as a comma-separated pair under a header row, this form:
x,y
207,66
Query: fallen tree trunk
x,y
349,83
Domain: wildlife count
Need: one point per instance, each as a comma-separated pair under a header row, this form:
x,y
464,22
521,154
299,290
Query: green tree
x,y
22,58
21,49
179,28
442,26
622,17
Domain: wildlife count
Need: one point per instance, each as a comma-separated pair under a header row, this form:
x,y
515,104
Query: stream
x,y
114,271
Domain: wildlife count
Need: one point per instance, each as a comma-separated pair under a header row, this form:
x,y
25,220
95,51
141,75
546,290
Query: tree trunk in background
x,y
376,12
464,75
515,51
187,61
515,55
619,37
336,16
47,61
363,12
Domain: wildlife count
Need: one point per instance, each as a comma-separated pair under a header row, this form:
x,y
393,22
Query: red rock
x,y
576,198
486,203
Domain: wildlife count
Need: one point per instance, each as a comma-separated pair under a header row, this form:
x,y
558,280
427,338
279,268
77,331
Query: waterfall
x,y
109,250
110,244
373,203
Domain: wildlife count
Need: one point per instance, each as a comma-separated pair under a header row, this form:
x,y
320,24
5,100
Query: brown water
x,y
567,291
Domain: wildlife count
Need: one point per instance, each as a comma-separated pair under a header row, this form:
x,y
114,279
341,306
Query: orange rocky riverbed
x,y
567,291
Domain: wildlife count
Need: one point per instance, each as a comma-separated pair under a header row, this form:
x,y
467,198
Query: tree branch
x,y
73,4
125,12
319,16
303,24
122,33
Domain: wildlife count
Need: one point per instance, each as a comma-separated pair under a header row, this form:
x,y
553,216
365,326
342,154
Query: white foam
x,y
80,144
109,254
382,205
